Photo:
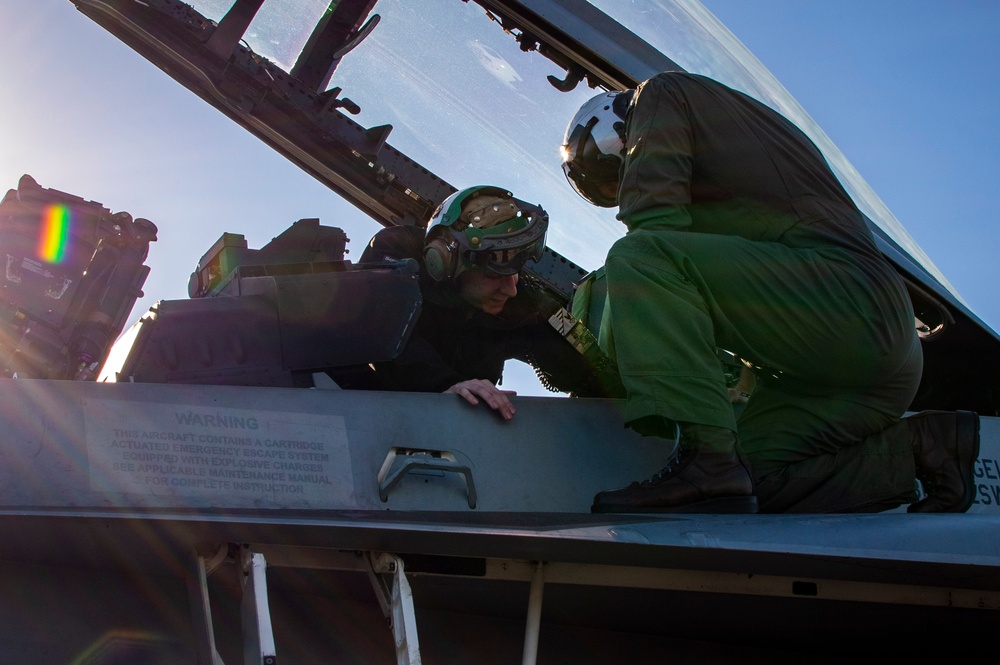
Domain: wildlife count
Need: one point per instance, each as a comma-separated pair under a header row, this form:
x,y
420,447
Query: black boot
x,y
945,448
699,479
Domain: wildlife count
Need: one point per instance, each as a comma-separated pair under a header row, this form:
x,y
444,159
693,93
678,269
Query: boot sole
x,y
731,505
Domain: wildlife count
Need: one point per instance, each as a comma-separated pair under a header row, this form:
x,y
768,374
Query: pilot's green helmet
x,y
483,227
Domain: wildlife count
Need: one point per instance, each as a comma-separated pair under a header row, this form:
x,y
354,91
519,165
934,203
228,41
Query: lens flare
x,y
52,239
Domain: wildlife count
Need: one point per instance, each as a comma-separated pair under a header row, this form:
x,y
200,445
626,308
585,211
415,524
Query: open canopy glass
x,y
467,103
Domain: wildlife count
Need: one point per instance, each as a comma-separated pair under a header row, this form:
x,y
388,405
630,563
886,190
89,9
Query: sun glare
x,y
53,234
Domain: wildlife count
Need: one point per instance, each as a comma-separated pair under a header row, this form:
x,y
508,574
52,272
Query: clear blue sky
x,y
908,89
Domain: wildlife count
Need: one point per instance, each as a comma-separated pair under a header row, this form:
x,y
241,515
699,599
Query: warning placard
x,y
171,449
986,476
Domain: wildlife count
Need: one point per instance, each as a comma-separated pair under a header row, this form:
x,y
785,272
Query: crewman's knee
x,y
653,249
628,245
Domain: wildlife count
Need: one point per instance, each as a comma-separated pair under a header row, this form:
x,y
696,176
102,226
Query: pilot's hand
x,y
474,390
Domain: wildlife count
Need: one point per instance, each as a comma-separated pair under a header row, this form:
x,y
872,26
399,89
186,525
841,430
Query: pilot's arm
x,y
420,366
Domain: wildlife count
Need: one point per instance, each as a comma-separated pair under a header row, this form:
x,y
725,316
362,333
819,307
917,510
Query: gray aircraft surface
x,y
208,487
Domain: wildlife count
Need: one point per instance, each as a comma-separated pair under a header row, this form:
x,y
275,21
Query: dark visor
x,y
508,260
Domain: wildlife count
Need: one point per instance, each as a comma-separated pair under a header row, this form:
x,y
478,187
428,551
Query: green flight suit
x,y
740,237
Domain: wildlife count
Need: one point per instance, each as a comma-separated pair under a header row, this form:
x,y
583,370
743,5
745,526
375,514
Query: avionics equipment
x,y
294,313
72,271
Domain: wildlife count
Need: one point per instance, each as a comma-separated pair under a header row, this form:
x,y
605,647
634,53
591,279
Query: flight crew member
x,y
477,311
740,237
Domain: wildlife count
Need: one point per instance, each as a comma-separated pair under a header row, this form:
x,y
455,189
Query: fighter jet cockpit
x,y
183,426
359,97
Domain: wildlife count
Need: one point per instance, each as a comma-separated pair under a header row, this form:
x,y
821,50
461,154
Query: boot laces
x,y
932,479
673,467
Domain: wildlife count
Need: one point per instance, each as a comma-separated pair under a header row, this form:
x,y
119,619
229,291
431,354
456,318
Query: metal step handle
x,y
400,461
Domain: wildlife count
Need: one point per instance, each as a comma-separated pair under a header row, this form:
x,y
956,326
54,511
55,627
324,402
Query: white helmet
x,y
593,146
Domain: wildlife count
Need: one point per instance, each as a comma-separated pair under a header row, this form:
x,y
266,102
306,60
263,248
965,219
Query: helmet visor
x,y
597,183
507,260
593,174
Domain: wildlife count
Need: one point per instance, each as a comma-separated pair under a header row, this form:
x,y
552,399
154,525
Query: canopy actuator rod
x,y
232,27
337,32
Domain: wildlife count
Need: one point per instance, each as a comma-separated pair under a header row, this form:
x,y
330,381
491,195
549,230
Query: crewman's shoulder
x,y
682,80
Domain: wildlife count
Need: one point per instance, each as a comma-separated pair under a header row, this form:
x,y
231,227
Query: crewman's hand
x,y
475,389
740,394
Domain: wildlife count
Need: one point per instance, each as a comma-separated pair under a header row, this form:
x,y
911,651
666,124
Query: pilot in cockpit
x,y
478,311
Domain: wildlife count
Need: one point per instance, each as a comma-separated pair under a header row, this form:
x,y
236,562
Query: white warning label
x,y
986,476
170,449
